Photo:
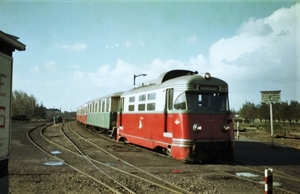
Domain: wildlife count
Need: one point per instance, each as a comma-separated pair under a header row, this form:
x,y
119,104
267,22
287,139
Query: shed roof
x,y
11,41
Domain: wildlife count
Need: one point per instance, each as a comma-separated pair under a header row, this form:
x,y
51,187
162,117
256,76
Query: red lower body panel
x,y
82,119
175,133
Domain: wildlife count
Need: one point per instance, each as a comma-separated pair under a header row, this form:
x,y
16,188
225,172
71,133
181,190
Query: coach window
x,y
151,96
131,107
96,107
142,97
141,107
107,104
180,102
102,105
151,106
132,99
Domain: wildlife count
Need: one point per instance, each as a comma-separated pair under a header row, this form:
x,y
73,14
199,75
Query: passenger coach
x,y
100,113
81,114
182,113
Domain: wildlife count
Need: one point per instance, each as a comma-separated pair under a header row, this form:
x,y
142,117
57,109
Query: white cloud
x,y
120,75
47,67
255,28
34,70
74,67
263,55
200,62
115,45
140,43
127,44
50,66
192,39
73,48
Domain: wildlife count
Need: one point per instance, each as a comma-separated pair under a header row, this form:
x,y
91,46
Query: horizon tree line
x,y
24,104
282,112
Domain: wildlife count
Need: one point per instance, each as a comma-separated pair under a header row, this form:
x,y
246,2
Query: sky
x,y
81,50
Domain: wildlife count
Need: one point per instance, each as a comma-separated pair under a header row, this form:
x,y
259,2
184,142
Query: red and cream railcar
x,y
182,113
81,114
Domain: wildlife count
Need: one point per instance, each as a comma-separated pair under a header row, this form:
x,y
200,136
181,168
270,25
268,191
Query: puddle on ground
x,y
54,163
246,174
114,164
275,184
250,175
56,152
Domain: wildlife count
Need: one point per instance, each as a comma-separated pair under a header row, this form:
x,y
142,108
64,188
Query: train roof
x,y
175,77
116,94
173,74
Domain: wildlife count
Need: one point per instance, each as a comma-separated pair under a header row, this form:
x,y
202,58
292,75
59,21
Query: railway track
x,y
112,173
283,183
106,163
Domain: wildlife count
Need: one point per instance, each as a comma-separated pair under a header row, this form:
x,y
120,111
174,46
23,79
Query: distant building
x,y
52,111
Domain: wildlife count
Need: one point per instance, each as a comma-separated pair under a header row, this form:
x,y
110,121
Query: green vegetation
x,y
285,117
25,107
23,104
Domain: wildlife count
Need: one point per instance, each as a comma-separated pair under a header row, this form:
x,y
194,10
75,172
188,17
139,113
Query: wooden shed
x,y
8,44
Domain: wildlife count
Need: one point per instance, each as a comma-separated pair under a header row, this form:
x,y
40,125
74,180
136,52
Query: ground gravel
x,y
28,172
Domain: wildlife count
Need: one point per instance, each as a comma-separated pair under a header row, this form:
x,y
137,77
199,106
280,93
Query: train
x,y
182,114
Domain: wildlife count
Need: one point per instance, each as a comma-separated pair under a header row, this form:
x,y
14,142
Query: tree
x,y
22,104
286,112
39,111
283,111
295,111
263,111
248,111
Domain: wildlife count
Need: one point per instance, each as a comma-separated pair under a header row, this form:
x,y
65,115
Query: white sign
x,y
270,96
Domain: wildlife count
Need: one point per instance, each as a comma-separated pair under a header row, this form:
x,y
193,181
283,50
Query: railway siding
x,y
29,174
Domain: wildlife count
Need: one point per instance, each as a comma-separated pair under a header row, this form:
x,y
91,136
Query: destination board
x,y
270,96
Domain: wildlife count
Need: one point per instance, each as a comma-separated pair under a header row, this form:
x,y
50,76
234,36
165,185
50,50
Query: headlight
x,y
197,127
207,76
225,127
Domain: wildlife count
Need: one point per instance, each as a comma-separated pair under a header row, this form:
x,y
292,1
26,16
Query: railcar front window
x,y
207,101
180,102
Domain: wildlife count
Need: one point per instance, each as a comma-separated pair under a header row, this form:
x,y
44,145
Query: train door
x,y
113,111
168,116
121,109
